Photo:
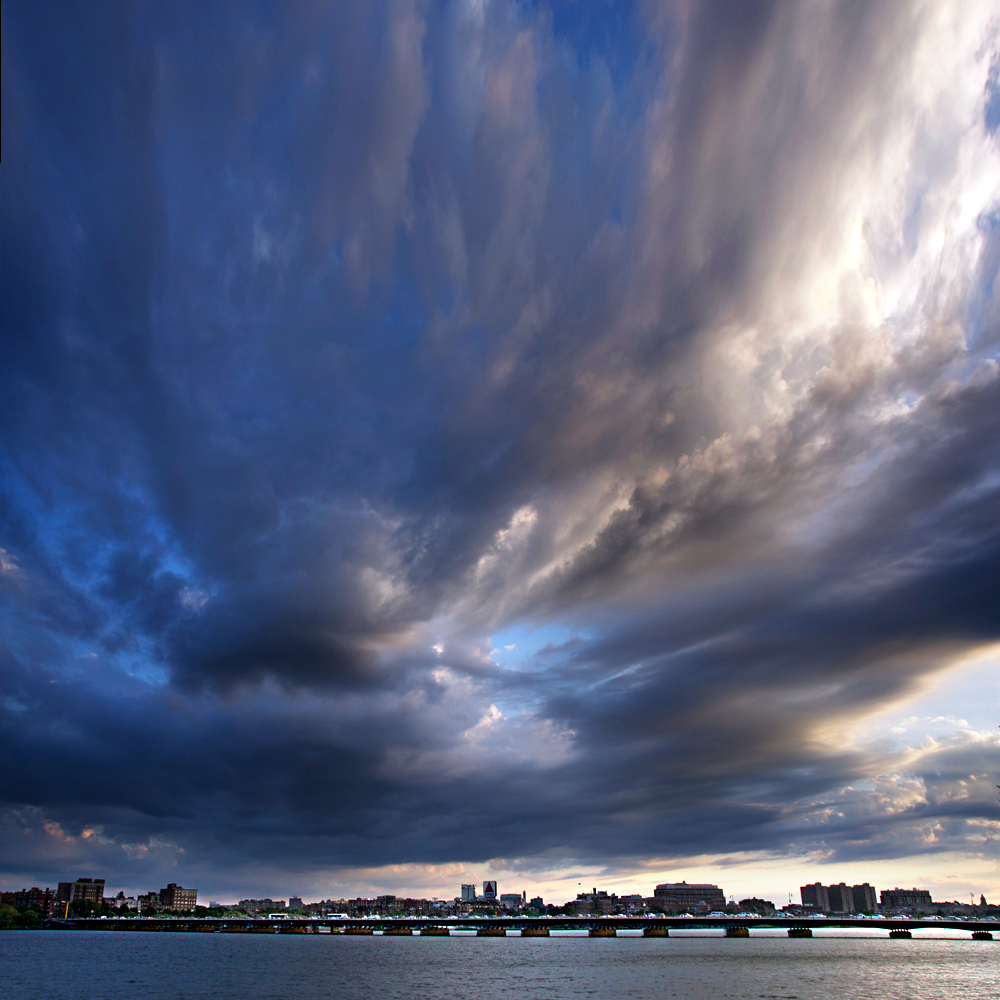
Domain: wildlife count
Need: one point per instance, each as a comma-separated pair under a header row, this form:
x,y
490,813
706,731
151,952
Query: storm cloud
x,y
425,423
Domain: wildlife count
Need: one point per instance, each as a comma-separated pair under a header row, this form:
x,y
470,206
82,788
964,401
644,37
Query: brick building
x,y
596,903
176,897
696,897
905,899
91,889
43,899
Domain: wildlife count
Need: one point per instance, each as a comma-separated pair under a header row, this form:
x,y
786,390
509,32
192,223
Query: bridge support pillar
x,y
982,936
738,932
359,930
535,932
902,933
800,932
601,931
490,932
435,932
393,931
656,932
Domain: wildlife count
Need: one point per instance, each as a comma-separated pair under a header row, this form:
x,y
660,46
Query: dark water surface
x,y
96,965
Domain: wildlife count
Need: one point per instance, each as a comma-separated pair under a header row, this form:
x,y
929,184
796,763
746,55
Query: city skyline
x,y
551,443
91,897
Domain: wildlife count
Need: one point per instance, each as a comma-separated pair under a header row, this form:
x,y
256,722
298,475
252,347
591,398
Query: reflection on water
x,y
95,965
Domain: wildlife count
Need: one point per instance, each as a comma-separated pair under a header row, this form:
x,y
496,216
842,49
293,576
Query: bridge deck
x,y
554,923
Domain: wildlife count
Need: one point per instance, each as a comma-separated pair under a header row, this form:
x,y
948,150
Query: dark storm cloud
x,y
335,341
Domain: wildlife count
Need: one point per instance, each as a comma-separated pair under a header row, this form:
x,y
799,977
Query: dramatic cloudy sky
x,y
554,441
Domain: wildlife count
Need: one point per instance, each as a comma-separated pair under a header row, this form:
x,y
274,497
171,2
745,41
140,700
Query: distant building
x,y
261,905
865,900
512,900
596,902
696,897
816,895
904,899
468,893
754,905
91,889
841,898
42,899
537,903
295,903
176,897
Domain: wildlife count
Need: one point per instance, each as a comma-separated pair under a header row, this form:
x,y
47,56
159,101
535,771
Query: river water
x,y
136,966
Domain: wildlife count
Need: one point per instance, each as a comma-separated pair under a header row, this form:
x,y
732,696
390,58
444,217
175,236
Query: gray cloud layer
x,y
336,342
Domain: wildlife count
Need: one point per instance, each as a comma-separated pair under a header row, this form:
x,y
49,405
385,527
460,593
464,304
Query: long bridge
x,y
594,926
